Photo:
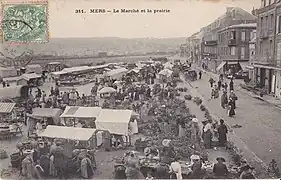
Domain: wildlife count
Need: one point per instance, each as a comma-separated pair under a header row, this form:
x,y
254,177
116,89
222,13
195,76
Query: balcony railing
x,y
211,43
232,42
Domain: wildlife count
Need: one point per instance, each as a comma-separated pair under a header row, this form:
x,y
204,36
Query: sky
x,y
185,18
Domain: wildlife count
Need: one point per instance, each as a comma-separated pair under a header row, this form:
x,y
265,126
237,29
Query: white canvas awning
x,y
81,112
72,133
166,72
114,121
220,66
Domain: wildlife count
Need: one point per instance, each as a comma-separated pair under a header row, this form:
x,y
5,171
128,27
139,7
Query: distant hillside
x,y
111,45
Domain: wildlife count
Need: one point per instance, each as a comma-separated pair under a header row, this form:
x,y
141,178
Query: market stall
x,y
31,79
165,75
71,133
73,115
115,121
9,124
51,116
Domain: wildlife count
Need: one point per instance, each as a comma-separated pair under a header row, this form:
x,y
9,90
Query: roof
x,y
33,66
58,73
30,76
76,69
100,66
10,92
54,63
113,120
81,112
6,107
107,90
46,112
115,116
116,71
249,25
72,133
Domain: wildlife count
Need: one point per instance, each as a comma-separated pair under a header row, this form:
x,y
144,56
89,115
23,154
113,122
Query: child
x,y
149,176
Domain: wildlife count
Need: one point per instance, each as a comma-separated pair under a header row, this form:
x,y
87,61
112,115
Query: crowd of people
x,y
227,102
145,95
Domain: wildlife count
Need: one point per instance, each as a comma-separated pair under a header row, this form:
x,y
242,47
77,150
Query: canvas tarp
x,y
71,133
114,121
81,112
35,68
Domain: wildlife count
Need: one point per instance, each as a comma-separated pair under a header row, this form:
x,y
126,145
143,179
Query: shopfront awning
x,y
244,65
221,65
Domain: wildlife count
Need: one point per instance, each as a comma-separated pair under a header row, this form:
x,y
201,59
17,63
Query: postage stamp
x,y
25,22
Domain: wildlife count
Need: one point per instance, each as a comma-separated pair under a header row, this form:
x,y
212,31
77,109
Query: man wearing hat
x,y
220,169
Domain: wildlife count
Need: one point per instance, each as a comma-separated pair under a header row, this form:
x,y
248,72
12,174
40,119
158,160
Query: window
x,y
269,2
271,21
266,22
233,51
243,36
242,52
270,47
264,3
261,22
278,25
233,35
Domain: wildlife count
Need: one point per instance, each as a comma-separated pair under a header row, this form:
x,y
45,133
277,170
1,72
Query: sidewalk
x,y
251,157
267,98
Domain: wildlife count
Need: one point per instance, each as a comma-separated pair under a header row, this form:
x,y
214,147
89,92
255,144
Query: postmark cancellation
x,y
25,22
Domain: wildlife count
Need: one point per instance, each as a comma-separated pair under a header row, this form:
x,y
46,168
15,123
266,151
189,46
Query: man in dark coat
x,y
222,131
231,88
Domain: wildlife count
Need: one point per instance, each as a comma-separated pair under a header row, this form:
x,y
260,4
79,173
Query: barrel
x,y
15,160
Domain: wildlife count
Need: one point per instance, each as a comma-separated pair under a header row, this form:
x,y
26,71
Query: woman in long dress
x,y
87,170
208,135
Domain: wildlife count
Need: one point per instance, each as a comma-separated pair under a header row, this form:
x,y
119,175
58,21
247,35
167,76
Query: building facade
x,y
209,45
252,56
194,48
233,47
267,64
